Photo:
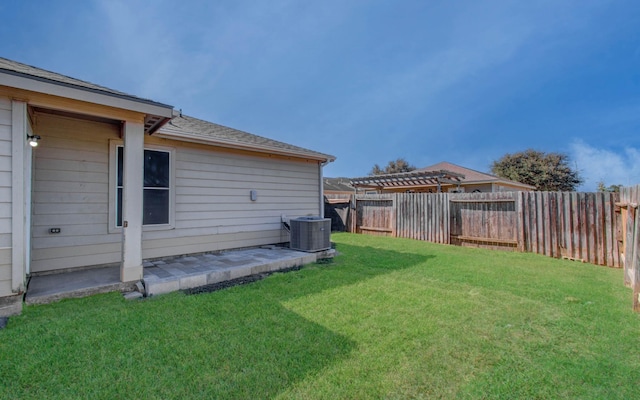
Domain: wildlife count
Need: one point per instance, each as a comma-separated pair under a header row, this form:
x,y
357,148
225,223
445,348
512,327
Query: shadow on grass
x,y
235,343
228,344
354,264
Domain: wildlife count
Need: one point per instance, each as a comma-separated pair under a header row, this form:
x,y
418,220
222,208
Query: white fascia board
x,y
239,146
86,95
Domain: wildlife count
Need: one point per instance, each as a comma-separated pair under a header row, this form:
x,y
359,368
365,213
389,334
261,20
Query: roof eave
x,y
499,181
239,146
61,89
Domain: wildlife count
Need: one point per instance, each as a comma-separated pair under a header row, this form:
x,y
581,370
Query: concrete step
x,y
155,286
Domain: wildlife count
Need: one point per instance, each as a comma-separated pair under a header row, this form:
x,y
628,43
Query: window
x,y
156,201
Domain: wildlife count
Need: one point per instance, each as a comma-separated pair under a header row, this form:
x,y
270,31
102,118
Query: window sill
x,y
146,228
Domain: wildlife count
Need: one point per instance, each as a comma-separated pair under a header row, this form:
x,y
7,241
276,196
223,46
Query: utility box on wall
x,y
310,234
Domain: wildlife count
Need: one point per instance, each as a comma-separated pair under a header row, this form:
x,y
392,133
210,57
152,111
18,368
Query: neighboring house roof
x,y
472,176
196,130
338,185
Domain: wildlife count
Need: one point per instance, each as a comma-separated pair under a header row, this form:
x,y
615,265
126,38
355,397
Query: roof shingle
x,y
190,127
19,69
471,175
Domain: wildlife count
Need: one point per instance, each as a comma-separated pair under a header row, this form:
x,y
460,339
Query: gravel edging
x,y
236,282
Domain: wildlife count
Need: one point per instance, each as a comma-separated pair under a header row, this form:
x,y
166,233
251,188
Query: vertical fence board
x,y
591,218
616,231
635,261
629,248
599,238
519,221
545,231
560,225
534,223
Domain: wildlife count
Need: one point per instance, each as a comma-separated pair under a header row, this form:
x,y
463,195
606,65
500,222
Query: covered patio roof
x,y
409,179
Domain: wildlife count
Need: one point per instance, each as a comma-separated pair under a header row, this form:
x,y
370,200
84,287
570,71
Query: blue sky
x,y
462,81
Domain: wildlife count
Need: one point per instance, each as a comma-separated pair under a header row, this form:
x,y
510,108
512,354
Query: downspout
x,y
321,176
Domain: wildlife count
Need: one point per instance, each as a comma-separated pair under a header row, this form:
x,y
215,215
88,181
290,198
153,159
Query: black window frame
x,y
150,185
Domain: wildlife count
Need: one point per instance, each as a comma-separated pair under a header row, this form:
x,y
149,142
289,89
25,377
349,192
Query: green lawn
x,y
388,318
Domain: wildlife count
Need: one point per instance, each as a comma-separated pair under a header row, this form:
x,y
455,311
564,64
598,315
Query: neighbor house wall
x,y
5,196
213,209
70,192
482,188
506,188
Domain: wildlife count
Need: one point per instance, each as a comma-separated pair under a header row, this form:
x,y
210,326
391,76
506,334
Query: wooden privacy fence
x,y
630,228
578,226
599,228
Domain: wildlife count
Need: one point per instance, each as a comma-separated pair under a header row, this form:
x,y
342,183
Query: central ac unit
x,y
310,234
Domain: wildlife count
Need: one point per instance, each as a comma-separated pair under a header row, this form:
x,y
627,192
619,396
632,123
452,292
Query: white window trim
x,y
113,176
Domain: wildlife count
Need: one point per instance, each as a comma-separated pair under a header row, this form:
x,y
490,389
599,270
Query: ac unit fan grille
x,y
310,234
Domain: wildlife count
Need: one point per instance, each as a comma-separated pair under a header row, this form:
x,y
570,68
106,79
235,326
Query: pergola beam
x,y
409,179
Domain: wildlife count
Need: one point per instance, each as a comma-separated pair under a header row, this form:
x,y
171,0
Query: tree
x,y
545,171
602,187
393,167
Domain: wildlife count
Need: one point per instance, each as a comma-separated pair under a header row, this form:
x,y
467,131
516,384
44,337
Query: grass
x,y
389,318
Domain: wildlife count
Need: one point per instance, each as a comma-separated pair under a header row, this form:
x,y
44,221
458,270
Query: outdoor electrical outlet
x,y
54,230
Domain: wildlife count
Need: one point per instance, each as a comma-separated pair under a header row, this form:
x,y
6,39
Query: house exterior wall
x,y
70,192
212,209
5,197
506,188
484,188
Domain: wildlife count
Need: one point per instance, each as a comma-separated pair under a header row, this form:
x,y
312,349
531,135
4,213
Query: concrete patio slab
x,y
170,274
167,276
49,288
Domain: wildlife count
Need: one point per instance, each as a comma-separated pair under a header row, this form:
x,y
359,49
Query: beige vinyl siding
x,y
5,196
213,209
70,192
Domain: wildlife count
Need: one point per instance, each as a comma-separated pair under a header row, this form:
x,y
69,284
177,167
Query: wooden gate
x,y
423,216
487,220
375,215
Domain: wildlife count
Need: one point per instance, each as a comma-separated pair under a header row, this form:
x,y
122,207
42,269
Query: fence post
x,y
634,262
353,214
520,221
629,245
394,213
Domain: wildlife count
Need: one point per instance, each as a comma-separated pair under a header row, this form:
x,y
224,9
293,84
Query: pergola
x,y
408,180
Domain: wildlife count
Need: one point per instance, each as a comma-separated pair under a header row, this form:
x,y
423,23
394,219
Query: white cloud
x,y
611,167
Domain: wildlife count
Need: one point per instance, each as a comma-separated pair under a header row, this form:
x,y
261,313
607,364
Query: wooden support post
x,y
133,178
